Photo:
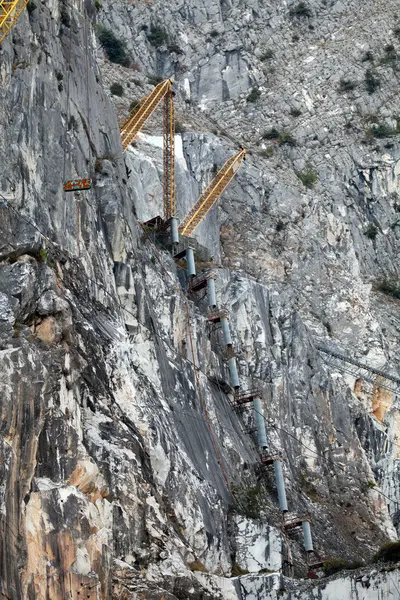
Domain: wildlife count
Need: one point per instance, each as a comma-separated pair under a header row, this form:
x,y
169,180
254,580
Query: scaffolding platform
x,y
156,224
201,253
267,461
77,185
247,396
200,282
295,523
216,314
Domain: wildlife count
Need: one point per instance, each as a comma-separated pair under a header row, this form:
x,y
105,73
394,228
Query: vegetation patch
x,y
254,95
381,130
114,48
248,500
196,565
154,79
308,177
334,565
346,85
390,55
31,6
267,152
372,83
300,10
116,89
371,231
295,112
390,287
267,55
157,36
367,56
388,552
237,570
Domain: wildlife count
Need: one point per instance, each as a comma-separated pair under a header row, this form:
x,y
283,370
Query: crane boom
x,y
10,10
169,156
138,116
211,194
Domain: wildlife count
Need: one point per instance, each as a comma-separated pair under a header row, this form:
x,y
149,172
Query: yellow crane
x,y
133,123
211,194
130,127
9,13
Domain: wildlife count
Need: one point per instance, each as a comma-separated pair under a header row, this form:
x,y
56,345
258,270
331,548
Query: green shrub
x,y
248,500
300,10
389,287
43,255
98,5
115,49
287,139
372,83
117,89
390,55
157,36
346,85
214,33
179,127
271,134
367,56
371,231
73,124
196,565
308,176
267,152
154,79
381,130
65,19
388,552
254,95
334,565
31,6
295,112
237,570
267,55
134,105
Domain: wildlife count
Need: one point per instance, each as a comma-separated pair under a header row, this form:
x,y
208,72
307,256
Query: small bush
x,y
154,79
98,5
334,565
65,19
381,130
388,552
117,89
267,55
179,127
31,6
372,83
300,10
267,152
271,134
59,76
308,177
157,36
371,484
248,501
390,55
114,48
389,287
73,124
367,56
287,139
43,255
397,32
371,231
237,570
254,95
346,85
295,112
214,33
196,565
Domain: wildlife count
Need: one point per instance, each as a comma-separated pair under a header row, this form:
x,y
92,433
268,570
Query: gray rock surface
x,y
114,453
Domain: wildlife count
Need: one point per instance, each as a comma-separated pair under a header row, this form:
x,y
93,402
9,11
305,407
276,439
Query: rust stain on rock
x,y
381,402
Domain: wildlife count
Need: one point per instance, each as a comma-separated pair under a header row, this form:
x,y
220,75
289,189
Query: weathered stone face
x,y
113,465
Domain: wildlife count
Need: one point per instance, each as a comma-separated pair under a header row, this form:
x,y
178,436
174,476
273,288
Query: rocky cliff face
x,y
125,473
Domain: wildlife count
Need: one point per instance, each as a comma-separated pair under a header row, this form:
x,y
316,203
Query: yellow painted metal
x,y
130,126
169,156
9,13
212,194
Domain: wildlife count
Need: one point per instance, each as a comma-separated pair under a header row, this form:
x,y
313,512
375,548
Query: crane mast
x,y
211,194
9,14
133,123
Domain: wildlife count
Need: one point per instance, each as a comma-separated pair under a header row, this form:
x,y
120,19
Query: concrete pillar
x,y
191,267
174,230
260,422
233,373
308,543
280,484
212,298
226,331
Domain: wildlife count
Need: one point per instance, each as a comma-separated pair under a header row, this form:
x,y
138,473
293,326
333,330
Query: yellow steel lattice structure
x,y
212,194
169,156
133,123
9,13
